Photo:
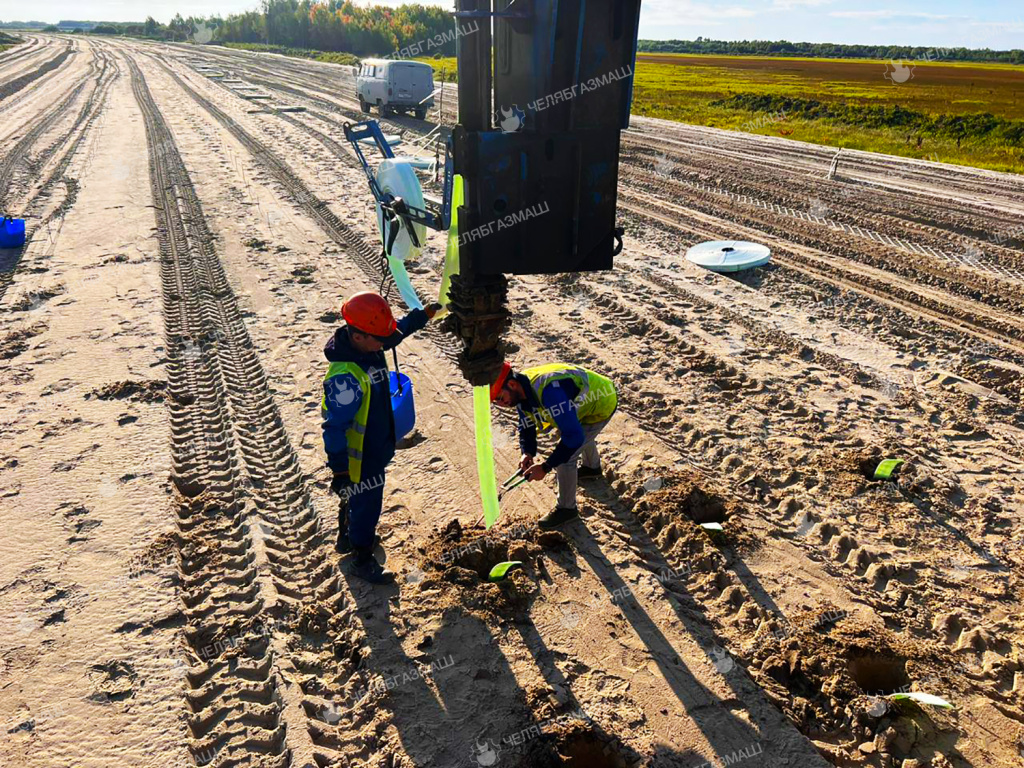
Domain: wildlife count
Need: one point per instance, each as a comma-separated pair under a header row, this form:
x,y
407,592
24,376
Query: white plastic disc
x,y
417,162
397,177
729,255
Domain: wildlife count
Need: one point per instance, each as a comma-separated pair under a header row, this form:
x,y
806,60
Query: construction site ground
x,y
169,590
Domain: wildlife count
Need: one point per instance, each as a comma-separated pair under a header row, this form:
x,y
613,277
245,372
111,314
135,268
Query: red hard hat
x,y
369,312
499,383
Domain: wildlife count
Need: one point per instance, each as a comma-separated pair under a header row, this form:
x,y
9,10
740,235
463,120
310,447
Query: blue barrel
x,y
12,233
402,404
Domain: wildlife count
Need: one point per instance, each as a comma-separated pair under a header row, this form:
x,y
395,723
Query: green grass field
x,y
7,41
691,88
299,53
445,68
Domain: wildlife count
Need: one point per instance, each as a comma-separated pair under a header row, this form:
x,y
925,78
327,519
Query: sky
x,y
938,23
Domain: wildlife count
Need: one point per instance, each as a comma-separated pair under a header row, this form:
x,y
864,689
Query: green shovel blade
x,y
500,571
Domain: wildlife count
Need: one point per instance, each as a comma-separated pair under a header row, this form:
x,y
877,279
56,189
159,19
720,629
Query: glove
x,y
339,481
432,309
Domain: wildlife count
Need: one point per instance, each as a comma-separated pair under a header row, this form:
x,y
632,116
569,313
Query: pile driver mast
x,y
561,76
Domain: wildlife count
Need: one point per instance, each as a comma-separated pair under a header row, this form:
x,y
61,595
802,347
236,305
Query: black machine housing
x,y
545,88
541,197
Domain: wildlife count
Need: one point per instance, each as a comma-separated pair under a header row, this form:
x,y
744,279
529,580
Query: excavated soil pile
x,y
831,674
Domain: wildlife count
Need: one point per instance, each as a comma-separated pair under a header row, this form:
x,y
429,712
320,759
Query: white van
x,y
395,86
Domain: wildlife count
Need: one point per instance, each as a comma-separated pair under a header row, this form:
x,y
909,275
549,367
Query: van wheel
x,y
364,106
421,113
385,110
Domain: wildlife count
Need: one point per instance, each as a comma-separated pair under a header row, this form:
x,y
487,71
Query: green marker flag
x,y
451,254
921,698
481,395
500,571
886,468
485,453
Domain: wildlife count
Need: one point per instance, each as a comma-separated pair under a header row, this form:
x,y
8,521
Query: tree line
x,y
829,50
340,25
329,25
333,25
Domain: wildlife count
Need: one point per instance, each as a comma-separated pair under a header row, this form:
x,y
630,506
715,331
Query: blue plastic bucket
x,y
402,404
12,233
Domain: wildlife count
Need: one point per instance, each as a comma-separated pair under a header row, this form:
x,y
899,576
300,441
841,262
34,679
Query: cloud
x,y
790,5
1017,25
892,14
674,12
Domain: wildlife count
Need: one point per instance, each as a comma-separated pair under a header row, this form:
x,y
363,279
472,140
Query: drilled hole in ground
x,y
870,464
703,507
585,750
481,556
879,675
866,463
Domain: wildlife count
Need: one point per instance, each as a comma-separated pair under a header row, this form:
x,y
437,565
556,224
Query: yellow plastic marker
x,y
485,454
451,254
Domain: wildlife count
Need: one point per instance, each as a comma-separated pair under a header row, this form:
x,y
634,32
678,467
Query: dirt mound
x,y
1005,378
830,674
846,473
136,391
674,507
161,551
16,342
463,560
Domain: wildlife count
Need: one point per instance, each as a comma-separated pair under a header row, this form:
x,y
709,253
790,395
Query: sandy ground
x,y
168,584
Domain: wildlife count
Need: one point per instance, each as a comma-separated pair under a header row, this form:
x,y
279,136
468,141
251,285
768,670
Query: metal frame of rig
x,y
561,75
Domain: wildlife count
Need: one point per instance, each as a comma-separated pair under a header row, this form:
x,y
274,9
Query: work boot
x,y
559,516
344,543
364,566
583,473
343,546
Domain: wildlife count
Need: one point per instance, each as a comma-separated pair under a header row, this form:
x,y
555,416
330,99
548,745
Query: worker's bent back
x,y
596,401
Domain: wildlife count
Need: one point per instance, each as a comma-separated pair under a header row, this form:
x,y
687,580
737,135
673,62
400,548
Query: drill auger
x,y
479,317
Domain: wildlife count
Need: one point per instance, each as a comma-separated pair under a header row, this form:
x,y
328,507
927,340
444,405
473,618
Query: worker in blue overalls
x,y
575,402
358,423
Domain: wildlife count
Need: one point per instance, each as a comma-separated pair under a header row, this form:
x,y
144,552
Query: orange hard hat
x,y
499,383
369,312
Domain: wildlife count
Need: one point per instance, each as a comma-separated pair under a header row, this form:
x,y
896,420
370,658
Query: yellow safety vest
x,y
596,401
357,432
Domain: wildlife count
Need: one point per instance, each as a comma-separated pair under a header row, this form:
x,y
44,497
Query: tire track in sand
x,y
257,581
